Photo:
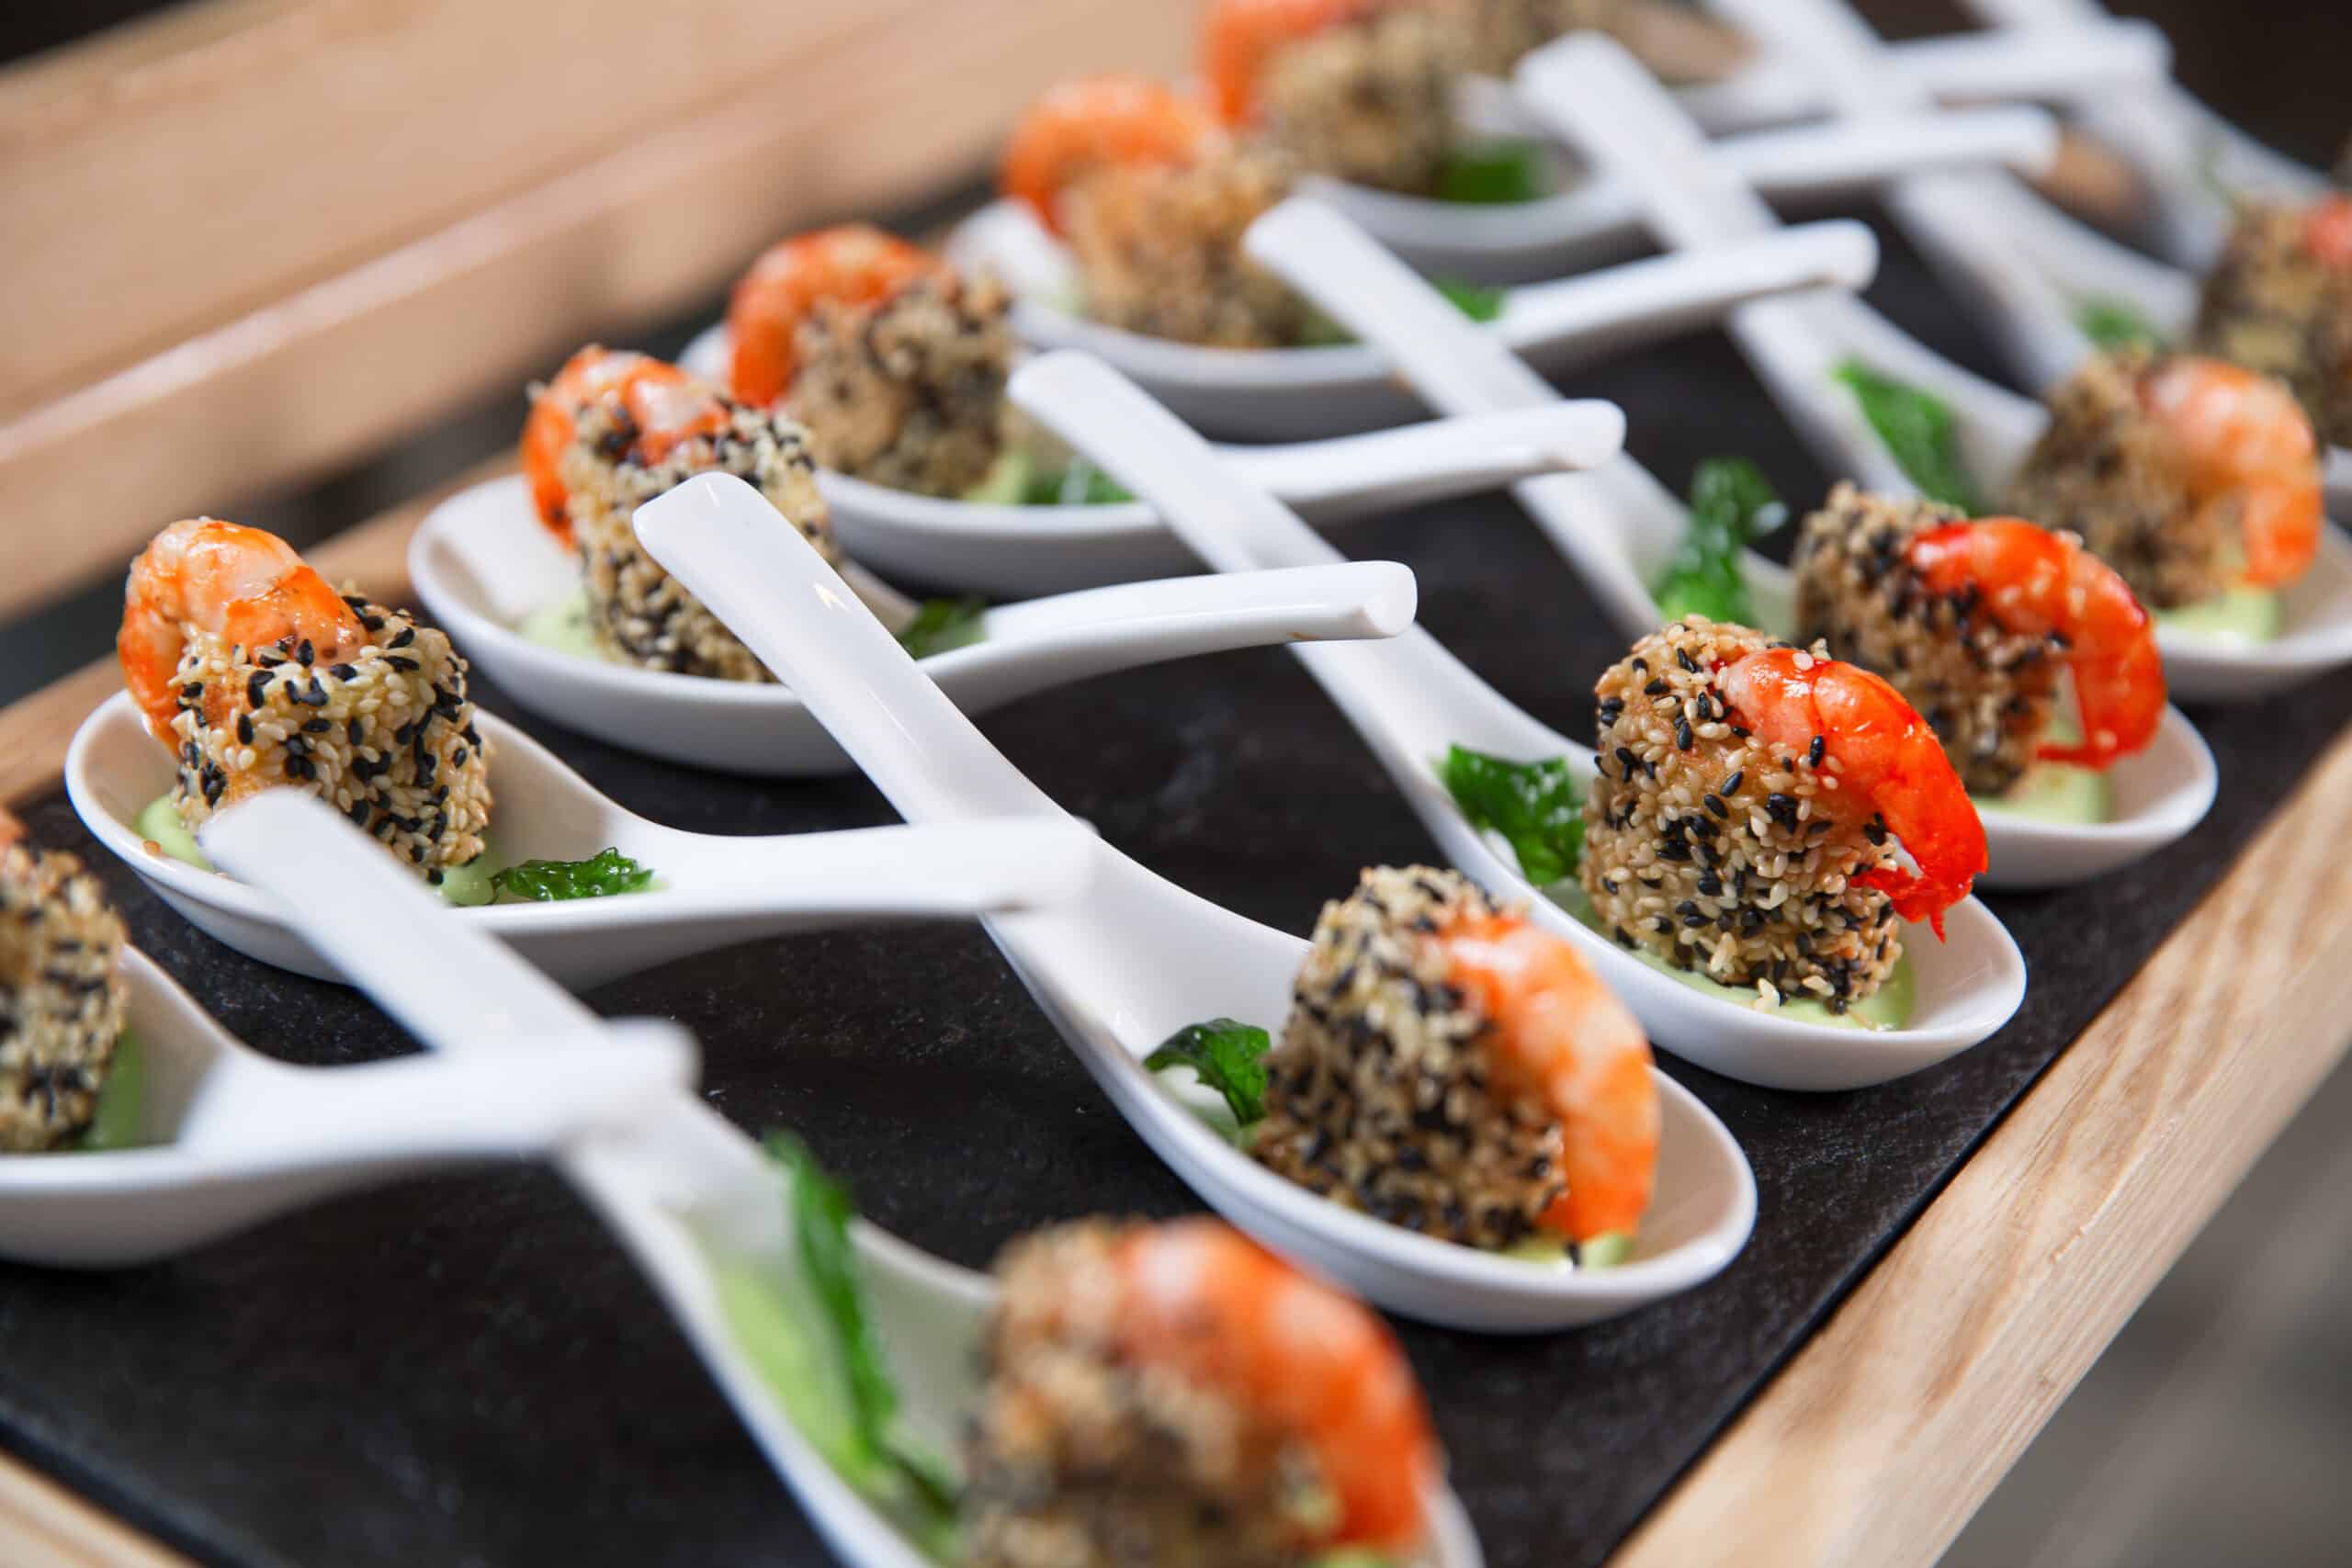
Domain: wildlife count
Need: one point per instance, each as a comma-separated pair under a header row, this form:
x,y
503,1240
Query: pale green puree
x,y
2237,615
122,1100
159,822
2056,792
562,625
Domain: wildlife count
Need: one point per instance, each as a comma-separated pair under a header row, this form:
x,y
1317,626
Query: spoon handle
x,y
720,538
455,989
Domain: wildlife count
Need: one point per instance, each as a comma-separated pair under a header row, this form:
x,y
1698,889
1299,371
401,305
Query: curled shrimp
x,y
2036,582
1211,1304
2327,229
665,404
2244,443
854,264
1237,37
1094,121
1564,1036
1888,763
236,582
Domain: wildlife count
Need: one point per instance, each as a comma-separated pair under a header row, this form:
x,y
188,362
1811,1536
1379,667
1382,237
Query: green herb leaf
x,y
1918,431
878,1462
1229,1056
1731,504
1538,806
2116,323
601,875
1476,300
1493,173
941,625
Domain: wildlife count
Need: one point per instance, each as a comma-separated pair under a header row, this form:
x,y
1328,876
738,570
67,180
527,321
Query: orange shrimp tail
x,y
854,264
1888,762
2327,229
2035,582
1561,1037
2242,442
666,405
2282,524
1238,37
1214,1305
1082,125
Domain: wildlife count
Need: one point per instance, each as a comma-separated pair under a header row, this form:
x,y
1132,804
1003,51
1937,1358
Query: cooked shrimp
x,y
1237,37
666,404
854,264
2244,443
1884,760
236,582
1213,1305
1083,125
12,830
1564,1036
2037,582
2327,229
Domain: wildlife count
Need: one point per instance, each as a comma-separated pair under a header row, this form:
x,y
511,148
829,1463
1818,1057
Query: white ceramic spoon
x,y
228,1138
1410,700
2191,156
482,564
1620,528
1292,393
684,1190
2027,270
1138,957
1597,220
1593,92
714,890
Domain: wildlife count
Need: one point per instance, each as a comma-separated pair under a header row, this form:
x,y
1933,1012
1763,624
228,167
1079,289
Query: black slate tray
x,y
464,1370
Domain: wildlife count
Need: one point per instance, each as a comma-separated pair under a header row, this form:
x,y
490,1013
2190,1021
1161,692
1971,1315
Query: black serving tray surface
x,y
465,1371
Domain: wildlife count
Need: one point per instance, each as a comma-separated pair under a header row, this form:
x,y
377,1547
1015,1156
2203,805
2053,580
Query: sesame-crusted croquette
x,y
62,994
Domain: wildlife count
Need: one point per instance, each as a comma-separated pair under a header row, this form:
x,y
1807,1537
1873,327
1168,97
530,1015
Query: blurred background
x,y
2218,1427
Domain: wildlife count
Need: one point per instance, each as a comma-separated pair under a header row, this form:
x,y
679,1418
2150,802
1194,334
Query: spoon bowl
x,y
482,565
713,890
1411,699
228,1138
1138,957
686,1193
1292,393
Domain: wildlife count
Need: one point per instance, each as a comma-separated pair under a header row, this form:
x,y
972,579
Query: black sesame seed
x,y
245,728
255,685
1683,738
317,726
304,652
408,635
1731,784
345,672
1819,742
1683,657
398,662
1715,804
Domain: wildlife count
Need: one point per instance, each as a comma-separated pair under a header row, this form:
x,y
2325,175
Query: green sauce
x,y
563,626
2056,792
1889,1006
159,822
122,1101
2237,615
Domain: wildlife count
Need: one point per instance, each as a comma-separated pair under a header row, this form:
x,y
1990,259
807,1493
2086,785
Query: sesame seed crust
x,y
1760,892
1369,100
2104,470
62,996
638,612
1988,692
1079,1460
387,737
909,392
2271,305
1159,250
1380,1094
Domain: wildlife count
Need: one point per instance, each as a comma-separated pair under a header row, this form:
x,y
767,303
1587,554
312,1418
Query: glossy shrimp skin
x,y
2327,229
1204,1301
1887,763
1238,37
853,264
666,404
1564,1037
1092,122
240,583
2244,443
2037,582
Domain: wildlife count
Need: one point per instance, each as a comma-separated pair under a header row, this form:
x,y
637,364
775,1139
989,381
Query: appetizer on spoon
x,y
1130,974
1511,800
1122,201
1169,1391
575,623
137,1128
1964,641
254,675
2235,470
